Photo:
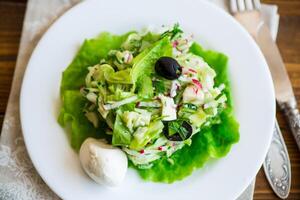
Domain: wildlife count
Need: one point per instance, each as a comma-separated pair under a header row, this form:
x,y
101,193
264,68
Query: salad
x,y
157,97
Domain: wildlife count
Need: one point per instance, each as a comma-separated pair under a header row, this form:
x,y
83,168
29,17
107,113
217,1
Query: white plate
x,y
47,142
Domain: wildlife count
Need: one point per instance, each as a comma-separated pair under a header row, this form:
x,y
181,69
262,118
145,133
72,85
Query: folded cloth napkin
x,y
269,15
18,178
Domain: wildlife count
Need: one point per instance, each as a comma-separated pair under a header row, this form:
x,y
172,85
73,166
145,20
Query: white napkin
x,y
18,178
269,15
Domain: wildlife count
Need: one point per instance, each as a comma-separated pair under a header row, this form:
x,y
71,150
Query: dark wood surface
x,y
11,19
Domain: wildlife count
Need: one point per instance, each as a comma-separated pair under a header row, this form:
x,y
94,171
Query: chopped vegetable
x,y
168,108
142,137
120,103
121,134
136,118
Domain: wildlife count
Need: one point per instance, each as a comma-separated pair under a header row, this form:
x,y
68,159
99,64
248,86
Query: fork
x,y
277,164
247,13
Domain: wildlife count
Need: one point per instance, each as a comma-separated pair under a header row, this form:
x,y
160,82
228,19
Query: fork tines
x,y
244,5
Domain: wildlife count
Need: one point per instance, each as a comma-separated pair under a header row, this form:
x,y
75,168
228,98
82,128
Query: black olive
x,y
168,68
184,130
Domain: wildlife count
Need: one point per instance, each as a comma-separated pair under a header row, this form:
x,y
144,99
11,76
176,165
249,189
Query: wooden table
x,y
11,19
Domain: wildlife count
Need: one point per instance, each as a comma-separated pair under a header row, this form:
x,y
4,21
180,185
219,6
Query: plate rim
x,y
69,12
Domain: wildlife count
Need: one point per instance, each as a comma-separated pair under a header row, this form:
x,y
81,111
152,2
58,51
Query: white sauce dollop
x,y
104,163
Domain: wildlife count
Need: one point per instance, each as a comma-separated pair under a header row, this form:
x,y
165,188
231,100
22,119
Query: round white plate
x,y
47,142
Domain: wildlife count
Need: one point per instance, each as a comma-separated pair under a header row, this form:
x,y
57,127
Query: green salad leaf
x,y
121,77
121,135
89,54
73,79
145,87
142,138
71,115
143,64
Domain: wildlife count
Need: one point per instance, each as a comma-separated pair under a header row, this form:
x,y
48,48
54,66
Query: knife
x,y
277,164
283,88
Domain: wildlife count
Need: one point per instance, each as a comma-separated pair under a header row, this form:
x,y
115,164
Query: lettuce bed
x,y
211,142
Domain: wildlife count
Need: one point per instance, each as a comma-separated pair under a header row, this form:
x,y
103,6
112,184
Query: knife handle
x,y
292,113
277,165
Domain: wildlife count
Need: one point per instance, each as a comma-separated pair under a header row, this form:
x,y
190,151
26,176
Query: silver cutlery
x,y
277,164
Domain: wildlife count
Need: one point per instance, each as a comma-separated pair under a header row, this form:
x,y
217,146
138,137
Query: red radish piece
x,y
192,70
195,90
175,43
197,83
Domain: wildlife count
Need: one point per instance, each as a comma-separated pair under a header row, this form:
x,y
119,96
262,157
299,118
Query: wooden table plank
x,y
6,74
286,7
289,38
11,19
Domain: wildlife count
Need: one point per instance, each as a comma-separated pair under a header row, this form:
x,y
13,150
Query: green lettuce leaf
x,y
145,87
89,54
121,134
143,64
153,131
71,114
121,77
